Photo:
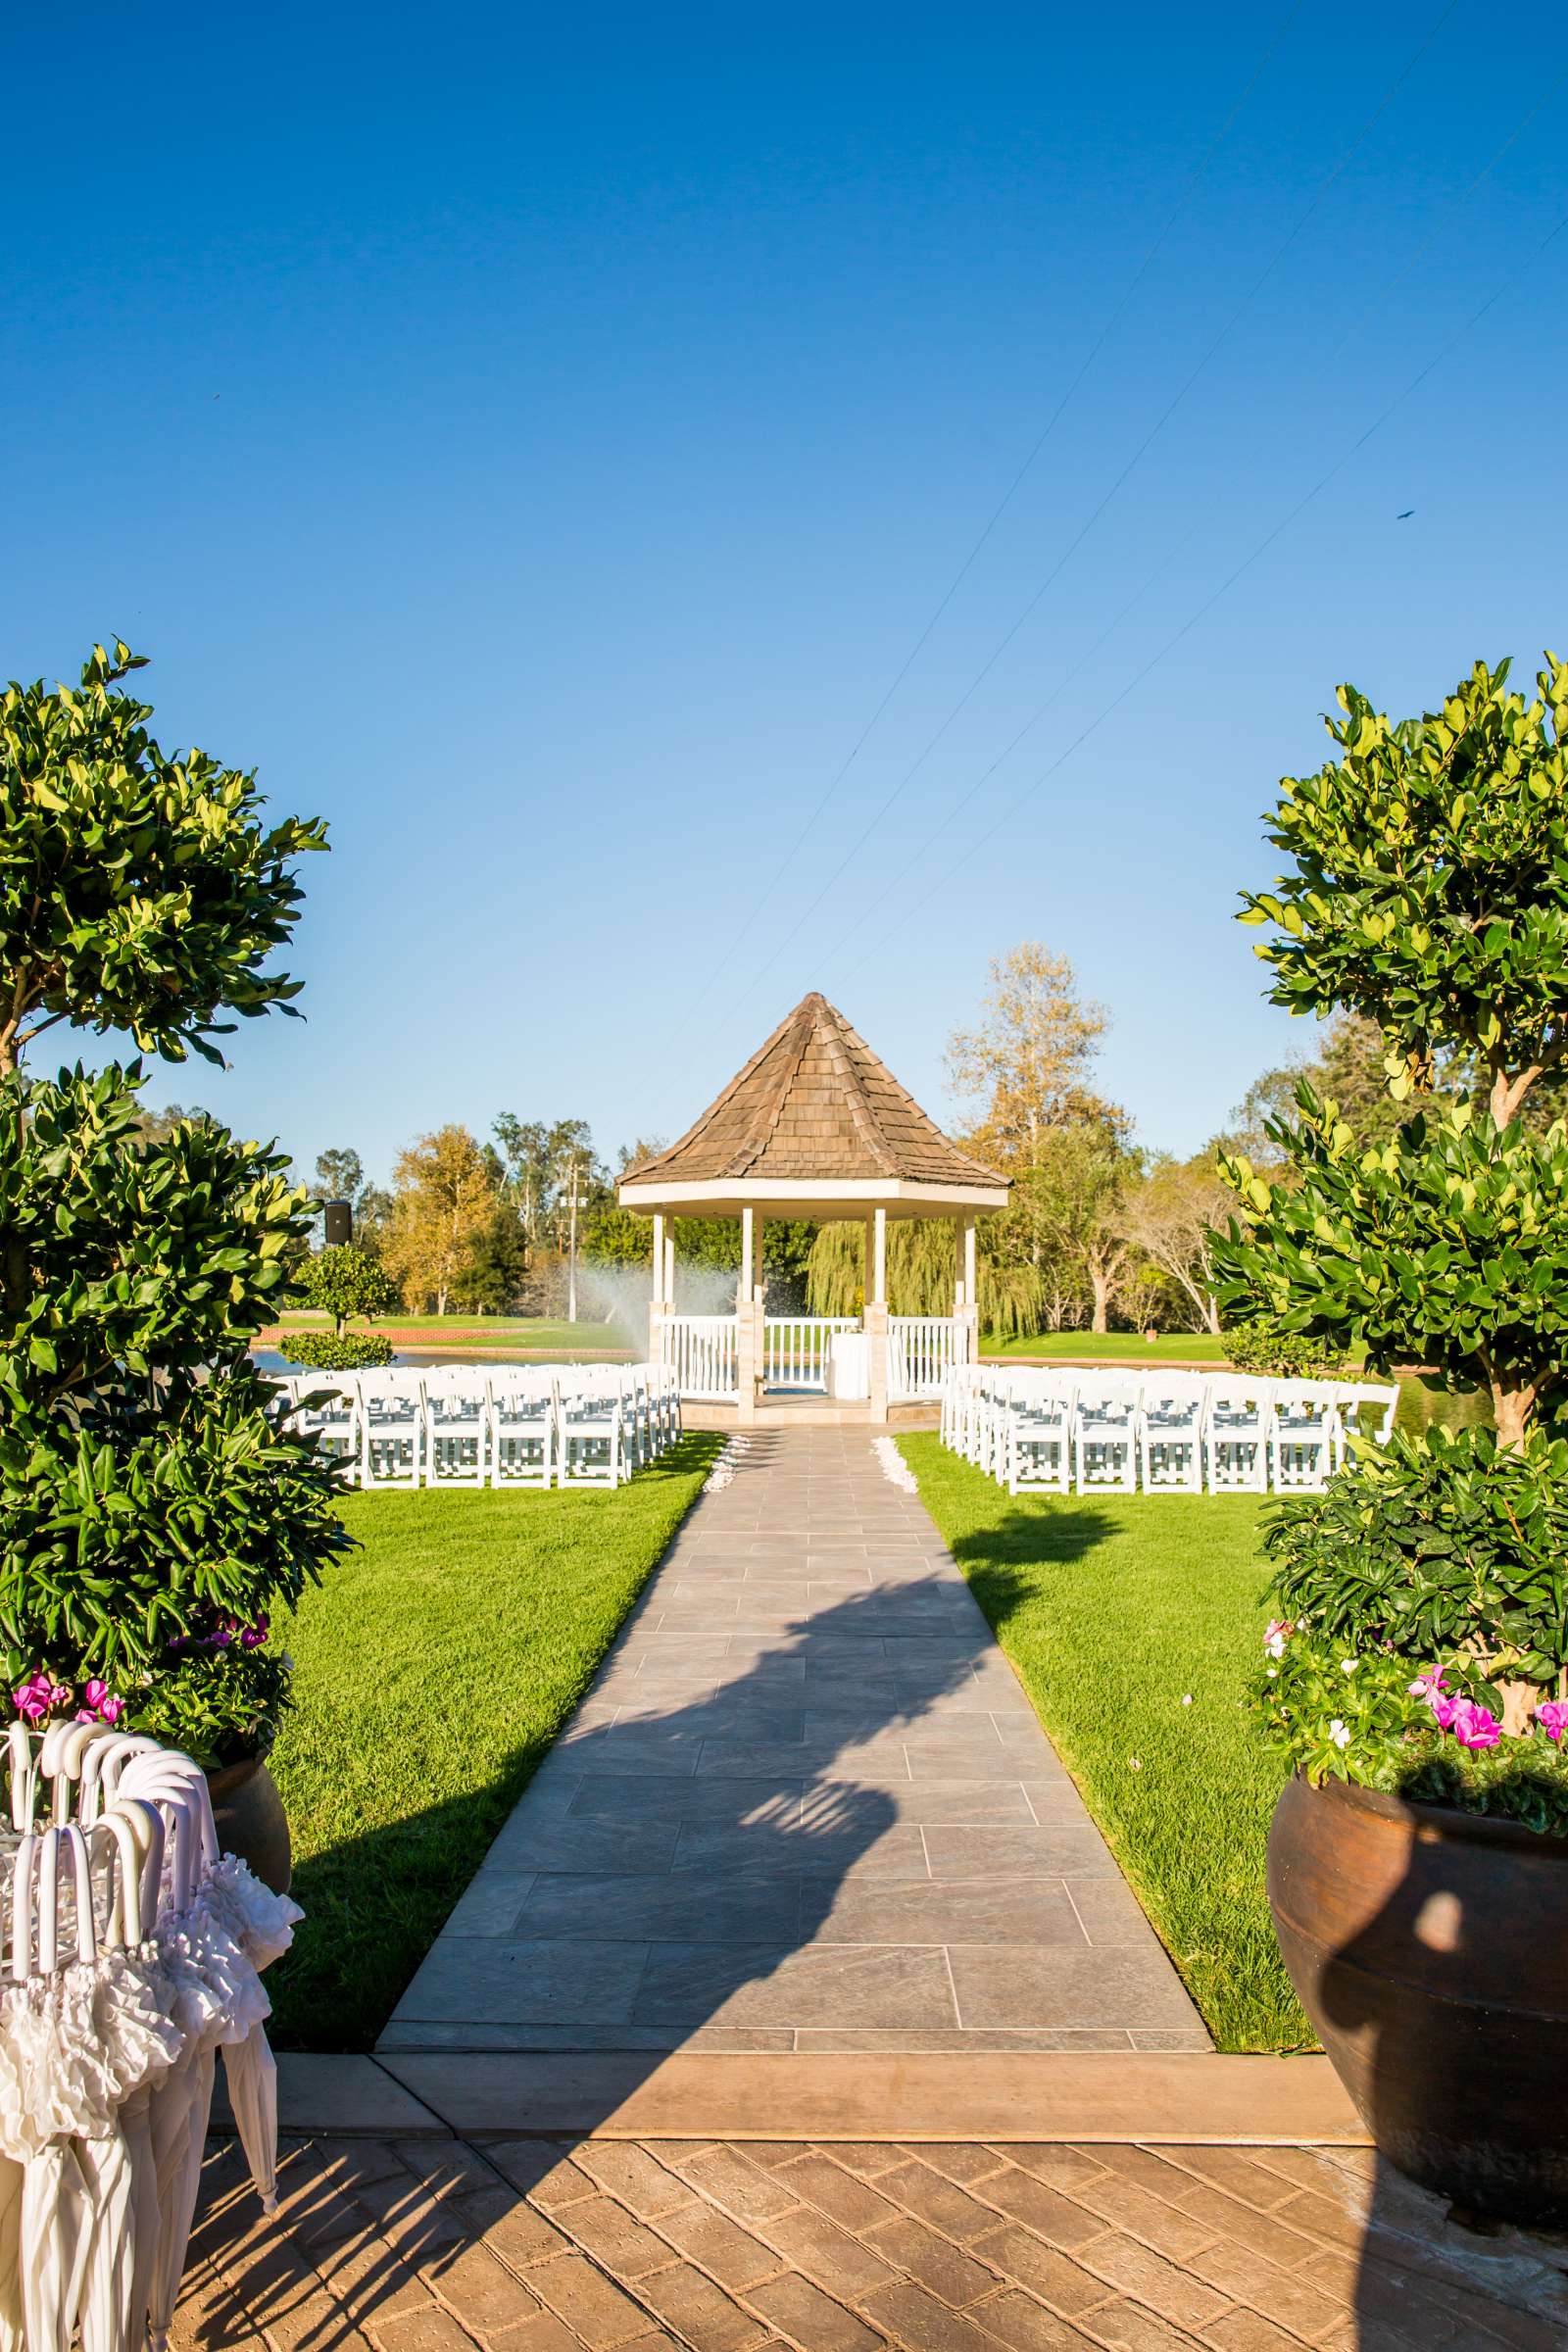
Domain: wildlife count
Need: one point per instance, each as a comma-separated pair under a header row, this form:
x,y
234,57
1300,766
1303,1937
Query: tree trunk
x,y
1100,1280
1510,1409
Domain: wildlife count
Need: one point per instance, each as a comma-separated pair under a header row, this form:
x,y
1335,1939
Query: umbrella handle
x,y
21,1748
87,1930
114,1759
161,1789
66,1764
21,1907
48,1911
126,1909
143,1824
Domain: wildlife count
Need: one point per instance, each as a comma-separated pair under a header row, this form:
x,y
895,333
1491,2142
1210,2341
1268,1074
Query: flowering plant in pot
x,y
1416,1668
154,1515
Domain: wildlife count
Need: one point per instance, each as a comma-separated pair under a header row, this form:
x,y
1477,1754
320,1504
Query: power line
x,y
1449,213
1068,553
1229,582
1007,499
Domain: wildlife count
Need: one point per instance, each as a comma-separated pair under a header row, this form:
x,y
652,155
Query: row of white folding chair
x,y
1173,1432
458,1425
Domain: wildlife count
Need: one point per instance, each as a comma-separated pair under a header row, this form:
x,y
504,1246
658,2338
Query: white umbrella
x,y
176,2198
55,2228
107,2315
252,2073
11,2178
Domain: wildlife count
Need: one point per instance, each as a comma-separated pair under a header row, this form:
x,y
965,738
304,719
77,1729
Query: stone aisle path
x,y
805,1807
438,2246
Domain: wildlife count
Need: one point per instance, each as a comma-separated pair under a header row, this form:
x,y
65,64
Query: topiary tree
x,y
138,888
153,1511
342,1282
1428,892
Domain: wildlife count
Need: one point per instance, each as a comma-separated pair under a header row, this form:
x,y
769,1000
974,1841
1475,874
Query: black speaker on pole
x,y
337,1223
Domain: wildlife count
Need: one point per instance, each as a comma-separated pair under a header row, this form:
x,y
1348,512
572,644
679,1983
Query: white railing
x,y
921,1350
797,1349
700,1352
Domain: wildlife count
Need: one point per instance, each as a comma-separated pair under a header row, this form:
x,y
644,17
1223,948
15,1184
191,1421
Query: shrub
x,y
1262,1347
325,1352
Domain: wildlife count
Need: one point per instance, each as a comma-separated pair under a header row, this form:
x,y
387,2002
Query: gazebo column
x,y
876,1311
966,1294
760,1302
748,1355
660,1304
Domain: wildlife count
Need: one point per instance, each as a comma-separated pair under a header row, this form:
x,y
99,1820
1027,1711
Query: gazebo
x,y
815,1126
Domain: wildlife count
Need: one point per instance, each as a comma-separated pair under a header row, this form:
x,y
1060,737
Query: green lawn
x,y
1115,1609
1110,1347
433,1671
523,1334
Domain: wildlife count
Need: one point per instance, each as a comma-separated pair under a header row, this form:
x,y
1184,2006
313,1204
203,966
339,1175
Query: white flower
x,y
1273,1674
1348,1665
1187,1697
1339,1733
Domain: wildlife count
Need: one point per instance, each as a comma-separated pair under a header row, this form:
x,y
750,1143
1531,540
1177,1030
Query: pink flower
x,y
1276,1634
1428,1685
1553,1718
102,1704
1445,1707
1476,1727
38,1696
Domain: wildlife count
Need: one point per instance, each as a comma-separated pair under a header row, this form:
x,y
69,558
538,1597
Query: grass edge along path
x,y
1134,1622
434,1669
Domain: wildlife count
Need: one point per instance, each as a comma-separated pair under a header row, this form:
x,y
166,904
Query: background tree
x,y
443,1198
152,1126
1169,1216
150,1505
495,1271
1076,1199
1025,1064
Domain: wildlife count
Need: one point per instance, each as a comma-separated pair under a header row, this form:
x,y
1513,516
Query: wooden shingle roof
x,y
814,1105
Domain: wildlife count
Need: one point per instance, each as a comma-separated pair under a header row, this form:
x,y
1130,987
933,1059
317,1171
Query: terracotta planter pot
x,y
251,1820
1427,1948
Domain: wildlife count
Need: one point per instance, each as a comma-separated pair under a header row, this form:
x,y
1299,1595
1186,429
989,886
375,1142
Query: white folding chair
x,y
1105,1436
1038,1434
1305,1436
457,1426
592,1430
1170,1433
523,1426
1235,1437
392,1428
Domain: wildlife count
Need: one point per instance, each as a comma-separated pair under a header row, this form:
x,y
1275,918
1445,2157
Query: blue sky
x,y
535,440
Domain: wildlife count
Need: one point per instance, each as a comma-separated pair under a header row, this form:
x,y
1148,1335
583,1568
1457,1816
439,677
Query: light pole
x,y
575,1201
